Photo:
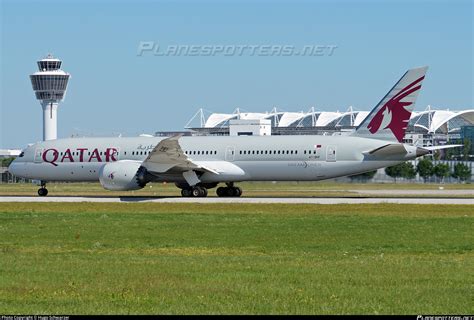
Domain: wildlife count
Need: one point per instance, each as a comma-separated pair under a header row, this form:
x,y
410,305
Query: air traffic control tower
x,y
50,84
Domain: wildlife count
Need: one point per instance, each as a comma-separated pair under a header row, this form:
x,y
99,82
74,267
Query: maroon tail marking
x,y
396,107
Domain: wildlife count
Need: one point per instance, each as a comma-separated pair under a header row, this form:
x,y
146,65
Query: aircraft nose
x,y
14,168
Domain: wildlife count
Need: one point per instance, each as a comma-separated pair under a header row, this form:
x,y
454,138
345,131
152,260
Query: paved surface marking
x,y
241,200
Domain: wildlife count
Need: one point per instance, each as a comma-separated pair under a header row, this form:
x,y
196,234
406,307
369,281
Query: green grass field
x,y
84,258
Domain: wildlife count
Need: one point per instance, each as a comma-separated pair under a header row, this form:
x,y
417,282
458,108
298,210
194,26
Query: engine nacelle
x,y
121,176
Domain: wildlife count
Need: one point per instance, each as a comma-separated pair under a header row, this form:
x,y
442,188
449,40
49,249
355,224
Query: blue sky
x,y
113,90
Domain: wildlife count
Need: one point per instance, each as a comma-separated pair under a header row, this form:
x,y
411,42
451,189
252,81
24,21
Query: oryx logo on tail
x,y
389,119
394,115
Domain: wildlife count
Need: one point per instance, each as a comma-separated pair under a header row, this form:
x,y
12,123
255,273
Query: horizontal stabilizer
x,y
432,148
421,151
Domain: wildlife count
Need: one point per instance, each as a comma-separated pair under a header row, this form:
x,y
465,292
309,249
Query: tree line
x,y
424,168
5,162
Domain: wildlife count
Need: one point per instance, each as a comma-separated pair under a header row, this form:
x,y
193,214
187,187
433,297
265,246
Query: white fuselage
x,y
248,158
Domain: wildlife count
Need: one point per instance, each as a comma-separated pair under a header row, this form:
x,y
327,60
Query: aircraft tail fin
x,y
389,119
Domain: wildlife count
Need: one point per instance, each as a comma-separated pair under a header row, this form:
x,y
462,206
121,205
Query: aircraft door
x,y
331,154
38,155
229,154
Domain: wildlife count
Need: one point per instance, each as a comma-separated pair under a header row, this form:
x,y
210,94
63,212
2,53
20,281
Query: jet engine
x,y
122,175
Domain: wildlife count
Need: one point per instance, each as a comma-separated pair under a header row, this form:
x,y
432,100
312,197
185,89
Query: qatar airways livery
x,y
196,164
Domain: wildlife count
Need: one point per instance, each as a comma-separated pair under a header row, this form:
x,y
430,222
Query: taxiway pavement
x,y
308,200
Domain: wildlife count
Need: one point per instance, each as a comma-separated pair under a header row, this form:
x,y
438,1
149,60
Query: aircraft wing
x,y
168,155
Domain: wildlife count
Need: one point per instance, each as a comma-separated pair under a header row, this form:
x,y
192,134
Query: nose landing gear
x,y
42,191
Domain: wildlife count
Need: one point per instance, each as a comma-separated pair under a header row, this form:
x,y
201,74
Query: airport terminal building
x,y
426,128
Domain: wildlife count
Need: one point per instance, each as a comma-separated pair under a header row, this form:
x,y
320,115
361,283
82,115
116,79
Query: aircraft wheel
x,y
229,192
42,192
237,192
199,192
186,193
220,192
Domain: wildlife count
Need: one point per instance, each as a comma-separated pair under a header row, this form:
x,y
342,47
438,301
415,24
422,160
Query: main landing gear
x,y
201,191
196,191
42,191
229,191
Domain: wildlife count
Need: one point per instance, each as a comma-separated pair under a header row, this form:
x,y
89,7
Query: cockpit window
x,y
21,155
